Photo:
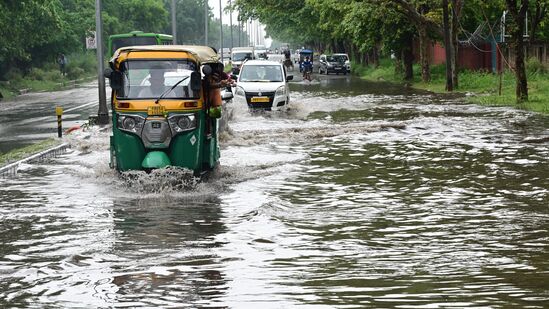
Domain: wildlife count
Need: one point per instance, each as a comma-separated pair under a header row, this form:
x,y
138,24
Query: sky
x,y
214,4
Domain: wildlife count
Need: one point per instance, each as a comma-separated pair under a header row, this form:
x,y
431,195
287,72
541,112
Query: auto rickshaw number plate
x,y
157,110
260,99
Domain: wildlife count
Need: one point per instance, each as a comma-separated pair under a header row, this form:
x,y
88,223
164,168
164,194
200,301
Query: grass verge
x,y
21,153
48,77
484,86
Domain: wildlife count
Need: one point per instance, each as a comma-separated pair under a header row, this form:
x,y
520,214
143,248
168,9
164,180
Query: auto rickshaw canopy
x,y
202,54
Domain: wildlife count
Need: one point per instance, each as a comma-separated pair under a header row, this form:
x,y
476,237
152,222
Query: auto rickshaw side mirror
x,y
115,78
207,69
107,73
195,81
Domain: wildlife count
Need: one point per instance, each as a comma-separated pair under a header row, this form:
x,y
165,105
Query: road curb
x,y
11,169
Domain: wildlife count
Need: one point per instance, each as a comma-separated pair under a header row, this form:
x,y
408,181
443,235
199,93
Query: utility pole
x,y
221,28
174,31
103,112
206,21
231,24
239,31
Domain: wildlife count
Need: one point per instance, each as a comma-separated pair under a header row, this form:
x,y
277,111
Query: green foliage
x,y
27,151
533,65
483,86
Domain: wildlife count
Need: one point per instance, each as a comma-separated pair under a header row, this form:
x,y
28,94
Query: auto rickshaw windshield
x,y
149,79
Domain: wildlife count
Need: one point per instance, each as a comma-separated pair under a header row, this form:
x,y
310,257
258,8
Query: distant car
x,y
331,64
263,84
346,59
226,54
276,57
240,55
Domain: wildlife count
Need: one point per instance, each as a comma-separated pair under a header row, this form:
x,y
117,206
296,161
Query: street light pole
x,y
206,21
174,28
103,112
231,23
221,28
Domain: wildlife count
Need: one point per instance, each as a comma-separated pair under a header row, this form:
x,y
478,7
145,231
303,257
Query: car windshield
x,y
261,73
340,58
241,56
144,79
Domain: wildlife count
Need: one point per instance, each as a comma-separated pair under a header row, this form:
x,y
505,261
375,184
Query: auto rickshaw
x,y
161,108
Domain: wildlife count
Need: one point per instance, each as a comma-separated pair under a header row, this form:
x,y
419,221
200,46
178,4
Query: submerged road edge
x,y
11,169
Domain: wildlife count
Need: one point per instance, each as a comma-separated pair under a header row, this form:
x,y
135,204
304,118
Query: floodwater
x,y
360,196
30,118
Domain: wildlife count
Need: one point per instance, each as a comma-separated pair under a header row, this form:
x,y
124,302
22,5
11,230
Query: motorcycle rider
x,y
307,68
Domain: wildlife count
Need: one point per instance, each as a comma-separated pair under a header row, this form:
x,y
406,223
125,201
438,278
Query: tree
x,y
518,12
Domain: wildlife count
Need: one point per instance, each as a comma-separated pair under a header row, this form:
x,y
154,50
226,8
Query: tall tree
x,y
518,10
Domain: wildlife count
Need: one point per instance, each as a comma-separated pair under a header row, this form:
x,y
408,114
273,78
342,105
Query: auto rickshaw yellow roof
x,y
204,54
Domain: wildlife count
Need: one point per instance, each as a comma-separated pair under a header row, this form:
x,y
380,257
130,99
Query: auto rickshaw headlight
x,y
130,123
182,123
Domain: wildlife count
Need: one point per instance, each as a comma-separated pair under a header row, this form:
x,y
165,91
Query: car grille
x,y
249,96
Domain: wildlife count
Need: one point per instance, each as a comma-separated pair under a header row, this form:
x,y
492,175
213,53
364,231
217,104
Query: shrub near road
x,y
483,86
48,77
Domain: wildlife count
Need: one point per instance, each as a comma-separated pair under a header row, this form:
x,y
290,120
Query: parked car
x,y
263,84
331,64
347,62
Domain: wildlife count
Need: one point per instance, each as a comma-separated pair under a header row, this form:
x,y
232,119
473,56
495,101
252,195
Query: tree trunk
x,y
408,59
519,16
398,64
456,13
424,53
375,57
447,46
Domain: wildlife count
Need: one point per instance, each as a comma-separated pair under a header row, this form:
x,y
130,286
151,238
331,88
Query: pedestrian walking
x,y
62,61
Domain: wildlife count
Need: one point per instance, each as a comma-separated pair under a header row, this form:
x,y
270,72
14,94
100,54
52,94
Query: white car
x,y
345,57
263,84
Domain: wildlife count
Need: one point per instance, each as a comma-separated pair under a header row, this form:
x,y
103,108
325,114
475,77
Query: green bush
x,y
75,72
533,65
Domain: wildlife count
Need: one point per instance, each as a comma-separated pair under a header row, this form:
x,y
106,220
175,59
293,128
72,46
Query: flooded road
x,y
361,196
30,118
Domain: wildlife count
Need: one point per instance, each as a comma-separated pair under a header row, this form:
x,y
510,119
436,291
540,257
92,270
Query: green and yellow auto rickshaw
x,y
161,108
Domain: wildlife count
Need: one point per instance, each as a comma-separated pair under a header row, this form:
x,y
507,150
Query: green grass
x,y
48,77
484,86
21,153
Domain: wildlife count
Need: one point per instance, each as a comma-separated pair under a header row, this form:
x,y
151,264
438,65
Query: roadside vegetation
x,y
407,30
33,33
47,77
481,87
21,153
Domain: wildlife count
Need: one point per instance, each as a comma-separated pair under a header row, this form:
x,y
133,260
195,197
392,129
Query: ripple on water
x,y
363,200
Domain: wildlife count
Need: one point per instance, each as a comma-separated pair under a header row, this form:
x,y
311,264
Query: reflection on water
x,y
362,198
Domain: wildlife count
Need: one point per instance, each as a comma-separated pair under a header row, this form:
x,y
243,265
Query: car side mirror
x,y
226,96
195,81
234,76
289,77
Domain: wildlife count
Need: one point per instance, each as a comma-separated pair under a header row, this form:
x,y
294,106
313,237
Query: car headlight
x,y
182,123
240,91
281,91
130,123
